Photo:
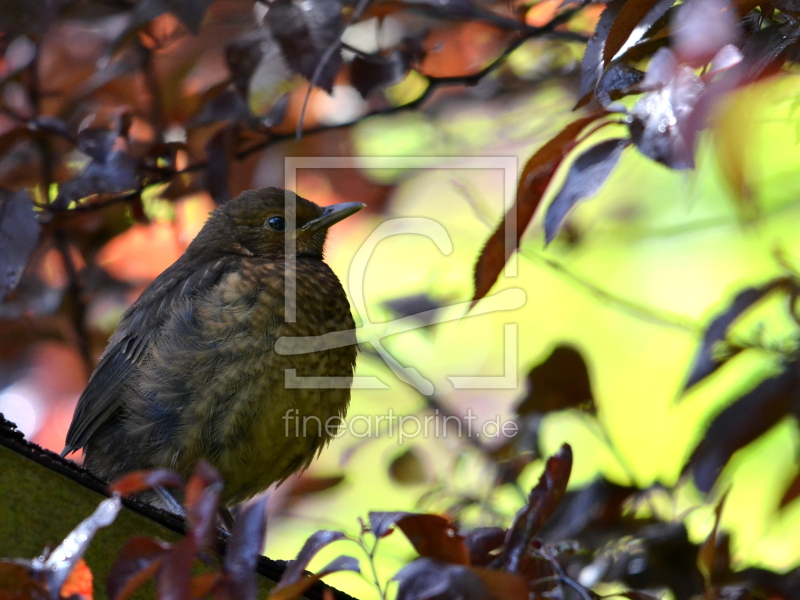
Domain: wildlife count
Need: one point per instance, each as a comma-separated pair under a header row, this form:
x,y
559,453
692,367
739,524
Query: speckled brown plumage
x,y
192,372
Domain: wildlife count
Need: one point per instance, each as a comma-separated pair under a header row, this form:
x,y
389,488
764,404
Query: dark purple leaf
x,y
585,176
137,561
372,72
426,578
19,234
453,9
661,122
218,156
189,12
381,522
705,363
296,569
298,588
749,417
114,175
226,106
26,16
618,81
174,578
634,19
244,54
542,502
481,542
244,548
308,33
97,142
560,382
765,49
592,62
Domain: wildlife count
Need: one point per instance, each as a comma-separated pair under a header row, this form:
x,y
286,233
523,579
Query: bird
x,y
192,371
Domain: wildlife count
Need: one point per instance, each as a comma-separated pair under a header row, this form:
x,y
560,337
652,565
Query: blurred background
x,y
629,284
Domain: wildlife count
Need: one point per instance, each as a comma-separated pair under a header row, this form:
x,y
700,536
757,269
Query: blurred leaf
x,y
377,71
426,578
26,16
701,28
137,561
19,235
202,585
202,501
218,155
115,174
190,12
296,589
174,577
221,106
628,21
749,417
560,382
533,182
705,362
17,582
307,484
707,558
295,570
661,122
306,31
421,306
481,542
407,468
244,548
138,481
542,502
244,54
634,595
585,176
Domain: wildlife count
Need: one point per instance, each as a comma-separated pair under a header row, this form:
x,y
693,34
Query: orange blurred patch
x,y
462,49
79,582
542,13
141,253
51,268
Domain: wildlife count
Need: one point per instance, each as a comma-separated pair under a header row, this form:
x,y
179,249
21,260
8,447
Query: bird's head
x,y
258,222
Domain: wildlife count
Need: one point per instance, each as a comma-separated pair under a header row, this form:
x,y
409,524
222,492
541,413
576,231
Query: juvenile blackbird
x,y
192,372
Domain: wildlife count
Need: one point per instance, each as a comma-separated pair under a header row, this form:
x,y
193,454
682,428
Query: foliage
x,y
112,111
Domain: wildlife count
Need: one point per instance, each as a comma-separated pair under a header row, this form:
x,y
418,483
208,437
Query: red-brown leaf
x,y
533,183
137,562
138,481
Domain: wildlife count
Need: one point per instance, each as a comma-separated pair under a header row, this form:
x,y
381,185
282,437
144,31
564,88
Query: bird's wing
x,y
127,347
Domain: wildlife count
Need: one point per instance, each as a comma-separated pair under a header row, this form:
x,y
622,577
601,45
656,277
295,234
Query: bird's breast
x,y
255,413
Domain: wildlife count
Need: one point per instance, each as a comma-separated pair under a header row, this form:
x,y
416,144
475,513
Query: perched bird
x,y
192,370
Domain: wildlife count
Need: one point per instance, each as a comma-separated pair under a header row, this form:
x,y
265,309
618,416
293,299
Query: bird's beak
x,y
331,215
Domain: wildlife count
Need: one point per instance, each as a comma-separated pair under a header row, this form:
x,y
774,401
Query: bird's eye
x,y
277,223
